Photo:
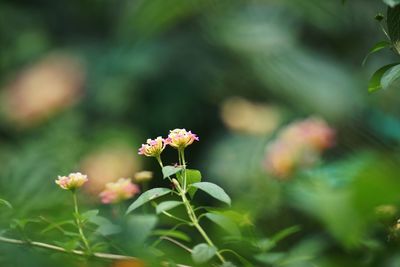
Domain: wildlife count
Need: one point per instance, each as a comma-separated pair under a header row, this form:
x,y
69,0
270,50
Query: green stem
x,y
183,163
195,222
79,223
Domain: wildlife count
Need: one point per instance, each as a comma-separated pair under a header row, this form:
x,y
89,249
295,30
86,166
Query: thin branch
x,y
176,243
63,250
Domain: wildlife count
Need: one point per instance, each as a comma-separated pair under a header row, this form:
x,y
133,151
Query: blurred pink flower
x,y
298,145
72,181
107,163
43,89
180,138
153,147
313,131
118,191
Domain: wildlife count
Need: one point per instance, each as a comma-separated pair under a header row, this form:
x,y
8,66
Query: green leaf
x,y
213,190
5,203
377,47
88,215
225,223
168,171
202,253
57,225
393,24
391,3
192,176
375,81
105,226
140,228
285,233
270,258
148,196
228,264
391,77
172,233
167,205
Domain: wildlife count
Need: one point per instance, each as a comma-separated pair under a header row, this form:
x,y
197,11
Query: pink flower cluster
x,y
72,181
177,138
118,191
300,144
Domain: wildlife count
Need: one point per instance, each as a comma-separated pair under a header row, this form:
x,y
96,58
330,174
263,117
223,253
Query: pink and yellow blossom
x,y
298,145
72,181
118,191
153,147
180,138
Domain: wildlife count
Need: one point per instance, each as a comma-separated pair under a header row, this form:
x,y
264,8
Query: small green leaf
x,y
270,258
377,47
140,228
225,223
391,3
213,190
192,176
105,226
168,171
390,77
167,205
172,233
57,226
148,196
88,215
375,81
202,253
5,203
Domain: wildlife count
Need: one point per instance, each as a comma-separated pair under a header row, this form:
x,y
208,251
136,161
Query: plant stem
x,y
195,221
63,250
79,223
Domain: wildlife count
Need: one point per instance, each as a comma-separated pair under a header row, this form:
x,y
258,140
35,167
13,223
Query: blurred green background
x,y
84,83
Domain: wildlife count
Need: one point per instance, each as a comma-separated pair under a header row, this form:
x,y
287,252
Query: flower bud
x,y
143,176
72,181
180,138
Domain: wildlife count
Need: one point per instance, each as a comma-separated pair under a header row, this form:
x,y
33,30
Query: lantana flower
x,y
298,145
153,147
72,181
118,191
180,138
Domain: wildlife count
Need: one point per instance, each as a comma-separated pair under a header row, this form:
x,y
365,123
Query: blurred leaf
x,y
172,233
140,228
393,24
5,203
225,223
57,225
377,47
202,253
22,223
285,233
148,196
391,77
374,83
213,190
270,258
168,171
105,226
167,205
89,215
228,264
392,3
